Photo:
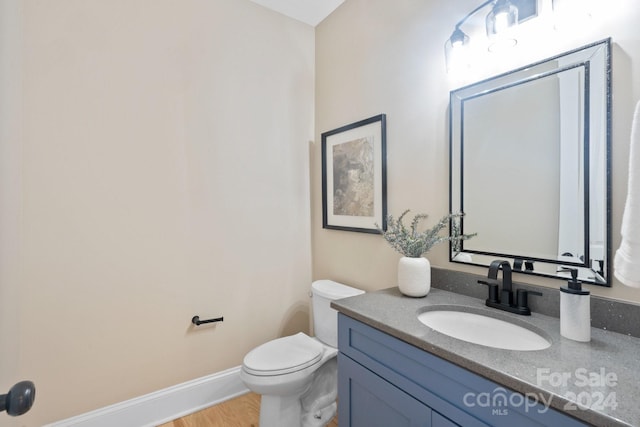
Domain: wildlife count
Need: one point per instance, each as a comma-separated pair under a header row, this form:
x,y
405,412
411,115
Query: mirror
x,y
529,152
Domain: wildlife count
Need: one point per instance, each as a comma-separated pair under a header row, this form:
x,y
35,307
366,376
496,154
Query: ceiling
x,y
311,12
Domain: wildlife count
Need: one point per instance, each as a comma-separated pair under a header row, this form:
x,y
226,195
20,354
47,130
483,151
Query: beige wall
x,y
378,56
157,169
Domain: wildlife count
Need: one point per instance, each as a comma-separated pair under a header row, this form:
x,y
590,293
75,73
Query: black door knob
x,y
19,399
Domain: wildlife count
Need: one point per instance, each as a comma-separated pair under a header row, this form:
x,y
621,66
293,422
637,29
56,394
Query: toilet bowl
x,y
297,375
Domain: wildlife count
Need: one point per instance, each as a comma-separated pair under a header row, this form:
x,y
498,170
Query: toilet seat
x,y
283,356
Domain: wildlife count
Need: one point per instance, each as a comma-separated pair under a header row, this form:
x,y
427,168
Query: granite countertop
x,y
603,375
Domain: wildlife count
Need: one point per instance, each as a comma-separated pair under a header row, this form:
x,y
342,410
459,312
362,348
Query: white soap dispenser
x,y
575,310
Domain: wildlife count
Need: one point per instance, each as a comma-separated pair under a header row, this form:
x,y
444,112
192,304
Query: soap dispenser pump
x,y
575,310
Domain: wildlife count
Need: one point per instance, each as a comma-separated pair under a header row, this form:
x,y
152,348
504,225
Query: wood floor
x,y
243,411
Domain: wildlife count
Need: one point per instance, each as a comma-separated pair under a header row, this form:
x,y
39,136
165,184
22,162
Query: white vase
x,y
414,276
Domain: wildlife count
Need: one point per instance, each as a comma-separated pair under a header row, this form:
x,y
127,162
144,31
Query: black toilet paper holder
x,y
196,320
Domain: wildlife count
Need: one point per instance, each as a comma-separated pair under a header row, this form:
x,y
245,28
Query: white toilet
x,y
297,375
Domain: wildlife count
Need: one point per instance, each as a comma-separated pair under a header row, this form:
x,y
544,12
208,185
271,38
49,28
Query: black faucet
x,y
503,299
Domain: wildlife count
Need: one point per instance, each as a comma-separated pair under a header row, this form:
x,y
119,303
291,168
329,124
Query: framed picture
x,y
354,176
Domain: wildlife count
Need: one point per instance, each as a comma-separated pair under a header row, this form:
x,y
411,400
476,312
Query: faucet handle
x,y
521,297
493,290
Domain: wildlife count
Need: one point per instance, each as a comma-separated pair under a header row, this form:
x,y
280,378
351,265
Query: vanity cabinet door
x,y
369,401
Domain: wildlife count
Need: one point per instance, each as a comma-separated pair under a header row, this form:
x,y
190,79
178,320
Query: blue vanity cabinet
x,y
385,382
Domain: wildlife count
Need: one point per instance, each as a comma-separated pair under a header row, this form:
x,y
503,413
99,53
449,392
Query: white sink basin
x,y
483,330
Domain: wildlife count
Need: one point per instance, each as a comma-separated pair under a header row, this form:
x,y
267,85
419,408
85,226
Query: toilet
x,y
297,375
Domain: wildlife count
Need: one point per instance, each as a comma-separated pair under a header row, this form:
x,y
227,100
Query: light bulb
x,y
503,16
501,22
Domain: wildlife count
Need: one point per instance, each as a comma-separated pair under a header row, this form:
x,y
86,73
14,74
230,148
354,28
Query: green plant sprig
x,y
413,243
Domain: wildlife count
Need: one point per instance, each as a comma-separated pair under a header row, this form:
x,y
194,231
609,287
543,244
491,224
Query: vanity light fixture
x,y
503,16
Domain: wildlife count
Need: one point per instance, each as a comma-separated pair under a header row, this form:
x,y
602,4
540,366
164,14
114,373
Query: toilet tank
x,y
325,318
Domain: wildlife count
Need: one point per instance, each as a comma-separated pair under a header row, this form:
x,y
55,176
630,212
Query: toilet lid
x,y
283,355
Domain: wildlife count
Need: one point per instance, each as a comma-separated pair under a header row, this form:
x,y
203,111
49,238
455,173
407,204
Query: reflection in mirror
x,y
530,167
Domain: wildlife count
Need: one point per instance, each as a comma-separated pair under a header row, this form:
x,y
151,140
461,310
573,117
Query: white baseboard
x,y
164,405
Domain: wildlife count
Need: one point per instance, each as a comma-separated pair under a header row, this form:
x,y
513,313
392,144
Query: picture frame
x,y
354,176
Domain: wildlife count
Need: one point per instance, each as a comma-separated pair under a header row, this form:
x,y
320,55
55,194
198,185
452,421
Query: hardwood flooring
x,y
243,411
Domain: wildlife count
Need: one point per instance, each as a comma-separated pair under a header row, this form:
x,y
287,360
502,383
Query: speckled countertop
x,y
603,374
